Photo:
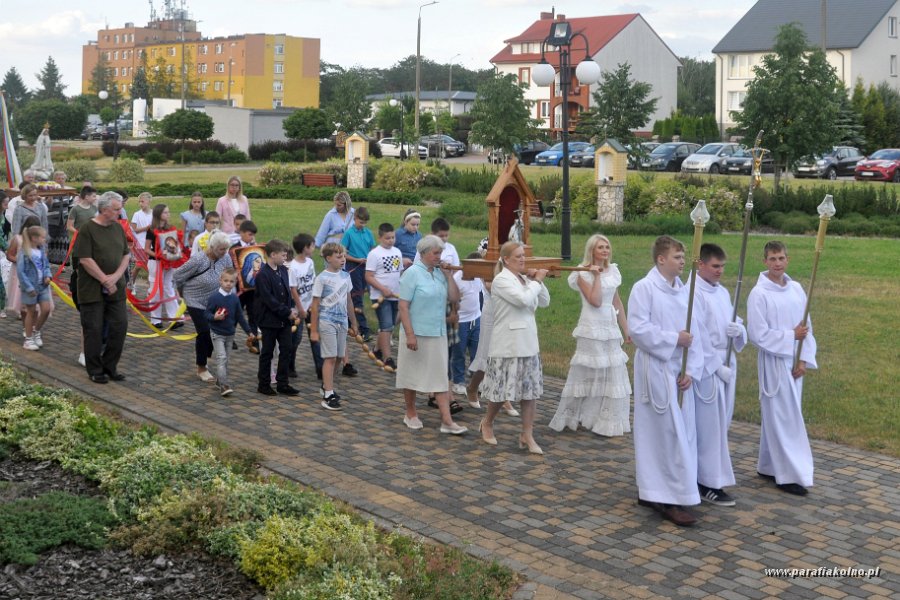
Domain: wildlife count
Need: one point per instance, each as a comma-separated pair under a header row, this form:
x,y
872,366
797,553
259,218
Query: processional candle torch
x,y
700,217
826,211
755,180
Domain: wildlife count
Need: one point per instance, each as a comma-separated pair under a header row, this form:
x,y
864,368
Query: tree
x,y
308,124
795,97
161,81
696,87
501,116
621,105
849,125
348,107
184,124
14,90
51,83
101,77
140,88
66,120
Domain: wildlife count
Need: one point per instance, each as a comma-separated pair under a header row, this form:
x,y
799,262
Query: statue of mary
x,y
43,164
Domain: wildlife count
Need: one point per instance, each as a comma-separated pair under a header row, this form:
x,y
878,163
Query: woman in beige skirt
x,y
422,358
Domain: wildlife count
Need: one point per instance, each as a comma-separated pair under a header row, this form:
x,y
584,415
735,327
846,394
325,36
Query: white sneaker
x,y
459,389
413,423
30,345
81,359
37,339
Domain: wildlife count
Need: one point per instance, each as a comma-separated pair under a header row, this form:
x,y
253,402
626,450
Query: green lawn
x,y
853,397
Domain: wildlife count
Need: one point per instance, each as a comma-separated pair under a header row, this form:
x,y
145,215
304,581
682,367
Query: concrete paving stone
x,y
499,502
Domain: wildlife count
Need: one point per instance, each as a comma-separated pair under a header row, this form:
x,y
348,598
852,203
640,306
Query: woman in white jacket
x,y
514,371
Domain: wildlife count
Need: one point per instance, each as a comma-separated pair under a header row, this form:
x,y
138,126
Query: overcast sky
x,y
370,33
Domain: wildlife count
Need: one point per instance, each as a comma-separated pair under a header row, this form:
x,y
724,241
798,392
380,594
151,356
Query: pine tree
x,y
139,86
51,83
14,90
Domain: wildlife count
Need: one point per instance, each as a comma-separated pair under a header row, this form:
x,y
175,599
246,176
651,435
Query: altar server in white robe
x,y
774,324
664,437
714,390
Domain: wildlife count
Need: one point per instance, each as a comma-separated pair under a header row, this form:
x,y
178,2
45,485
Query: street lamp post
x,y
103,95
450,87
419,69
395,102
587,72
230,63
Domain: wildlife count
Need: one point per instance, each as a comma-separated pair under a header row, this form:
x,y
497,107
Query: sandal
x,y
455,406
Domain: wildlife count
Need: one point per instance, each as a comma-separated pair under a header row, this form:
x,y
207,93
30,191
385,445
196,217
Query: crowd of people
x,y
683,380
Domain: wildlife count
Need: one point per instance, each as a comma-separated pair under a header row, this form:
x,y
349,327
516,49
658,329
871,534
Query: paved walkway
x,y
568,520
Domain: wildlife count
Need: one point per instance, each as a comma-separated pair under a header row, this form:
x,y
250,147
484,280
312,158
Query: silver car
x,y
710,158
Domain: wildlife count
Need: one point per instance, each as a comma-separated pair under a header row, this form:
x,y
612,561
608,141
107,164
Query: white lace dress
x,y
597,392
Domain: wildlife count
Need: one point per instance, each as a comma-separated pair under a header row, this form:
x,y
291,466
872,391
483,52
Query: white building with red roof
x,y
612,40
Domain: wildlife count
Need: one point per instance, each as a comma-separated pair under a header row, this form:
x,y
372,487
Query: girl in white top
x,y
597,391
142,218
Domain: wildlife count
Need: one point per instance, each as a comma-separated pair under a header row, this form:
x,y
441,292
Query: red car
x,y
882,165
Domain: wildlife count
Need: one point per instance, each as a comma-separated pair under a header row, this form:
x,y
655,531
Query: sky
x,y
369,33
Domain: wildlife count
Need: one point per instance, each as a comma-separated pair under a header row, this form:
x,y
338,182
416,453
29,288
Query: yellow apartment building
x,y
253,70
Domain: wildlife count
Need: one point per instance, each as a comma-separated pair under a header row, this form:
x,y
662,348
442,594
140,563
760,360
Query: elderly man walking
x,y
103,256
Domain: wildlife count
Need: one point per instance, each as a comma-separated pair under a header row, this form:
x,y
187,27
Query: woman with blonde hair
x,y
597,389
234,202
514,371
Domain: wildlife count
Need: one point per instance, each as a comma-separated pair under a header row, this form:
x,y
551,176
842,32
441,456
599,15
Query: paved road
x,y
567,520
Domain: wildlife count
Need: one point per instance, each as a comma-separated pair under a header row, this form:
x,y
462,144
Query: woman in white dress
x,y
597,391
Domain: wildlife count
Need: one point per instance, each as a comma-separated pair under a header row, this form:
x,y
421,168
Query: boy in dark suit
x,y
274,314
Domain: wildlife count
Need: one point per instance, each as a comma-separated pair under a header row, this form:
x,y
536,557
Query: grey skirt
x,y
424,370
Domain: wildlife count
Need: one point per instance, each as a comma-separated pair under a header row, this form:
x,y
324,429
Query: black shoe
x,y
100,378
390,363
455,407
793,488
288,390
764,476
114,376
333,393
713,496
176,325
677,514
367,337
349,371
234,345
377,354
332,403
266,390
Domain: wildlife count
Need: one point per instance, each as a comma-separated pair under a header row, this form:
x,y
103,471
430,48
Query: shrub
x,y
472,181
78,171
339,582
30,526
265,150
284,547
407,176
272,174
233,155
126,169
208,157
547,187
155,157
283,156
464,210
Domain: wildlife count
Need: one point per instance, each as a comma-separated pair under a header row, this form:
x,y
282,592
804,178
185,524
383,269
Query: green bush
x,y
273,174
408,176
27,527
155,157
464,210
339,582
547,187
282,156
233,155
125,169
472,181
286,547
78,171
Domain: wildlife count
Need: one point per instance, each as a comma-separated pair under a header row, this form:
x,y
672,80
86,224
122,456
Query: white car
x,y
710,158
390,148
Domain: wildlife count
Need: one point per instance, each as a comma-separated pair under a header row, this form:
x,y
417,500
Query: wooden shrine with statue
x,y
510,204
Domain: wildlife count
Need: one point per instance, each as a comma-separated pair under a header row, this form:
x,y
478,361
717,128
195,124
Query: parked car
x,y
668,156
583,158
840,160
639,153
741,162
710,158
390,148
553,155
524,152
442,145
104,132
882,165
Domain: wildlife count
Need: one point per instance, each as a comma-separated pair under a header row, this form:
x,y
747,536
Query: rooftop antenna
x,y
153,15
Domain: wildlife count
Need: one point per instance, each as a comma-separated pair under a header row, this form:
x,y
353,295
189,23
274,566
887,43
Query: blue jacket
x,y
273,298
29,278
334,226
235,314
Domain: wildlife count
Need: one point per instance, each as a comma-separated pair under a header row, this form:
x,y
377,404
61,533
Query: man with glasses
x,y
103,256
